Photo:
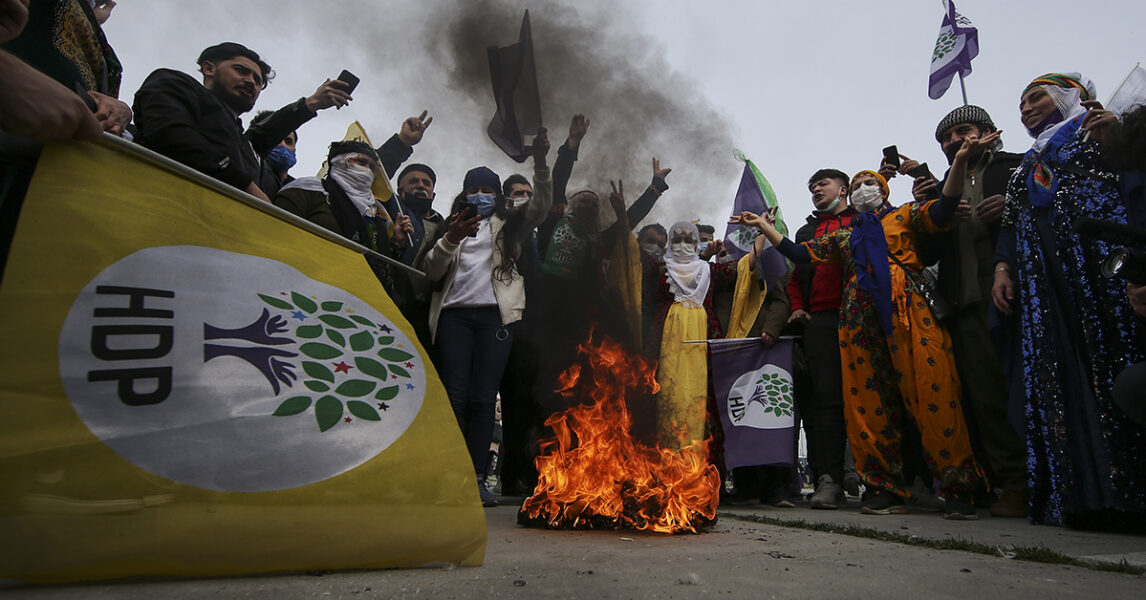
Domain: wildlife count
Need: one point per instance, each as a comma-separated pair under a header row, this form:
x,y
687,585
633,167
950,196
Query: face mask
x,y
867,198
352,177
519,202
685,250
483,202
281,159
829,208
653,249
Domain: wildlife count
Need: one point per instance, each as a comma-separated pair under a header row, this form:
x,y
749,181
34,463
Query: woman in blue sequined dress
x,y
1075,328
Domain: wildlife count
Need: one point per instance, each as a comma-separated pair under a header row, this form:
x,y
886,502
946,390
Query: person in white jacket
x,y
480,298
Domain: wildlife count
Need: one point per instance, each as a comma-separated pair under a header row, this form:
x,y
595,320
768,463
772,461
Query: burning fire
x,y
594,475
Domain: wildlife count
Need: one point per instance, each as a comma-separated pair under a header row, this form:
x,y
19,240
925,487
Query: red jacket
x,y
818,288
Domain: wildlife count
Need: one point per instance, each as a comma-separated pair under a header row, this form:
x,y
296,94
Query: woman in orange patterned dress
x,y
897,359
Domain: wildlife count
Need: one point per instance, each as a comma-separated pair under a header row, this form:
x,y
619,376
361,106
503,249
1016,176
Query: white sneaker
x,y
828,495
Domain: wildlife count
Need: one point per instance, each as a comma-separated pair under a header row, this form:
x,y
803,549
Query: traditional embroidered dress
x,y
911,371
1086,461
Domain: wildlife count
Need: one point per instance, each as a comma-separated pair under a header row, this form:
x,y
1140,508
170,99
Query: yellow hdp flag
x,y
381,188
192,386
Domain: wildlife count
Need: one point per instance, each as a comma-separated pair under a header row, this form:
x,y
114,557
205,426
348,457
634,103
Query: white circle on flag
x,y
234,372
762,399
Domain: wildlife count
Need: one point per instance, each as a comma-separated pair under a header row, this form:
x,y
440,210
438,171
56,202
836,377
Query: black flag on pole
x,y
514,77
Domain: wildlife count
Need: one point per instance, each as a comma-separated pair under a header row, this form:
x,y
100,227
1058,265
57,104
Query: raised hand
x,y
711,249
414,128
658,172
460,226
924,188
617,197
577,130
403,229
331,93
540,146
1098,121
974,145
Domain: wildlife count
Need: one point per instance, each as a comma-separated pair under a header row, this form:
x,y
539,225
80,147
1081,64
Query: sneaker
x,y
828,495
852,483
959,507
922,497
1013,505
882,502
487,497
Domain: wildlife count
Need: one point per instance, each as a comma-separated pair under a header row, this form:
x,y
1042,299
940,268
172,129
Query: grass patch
x,y
1038,554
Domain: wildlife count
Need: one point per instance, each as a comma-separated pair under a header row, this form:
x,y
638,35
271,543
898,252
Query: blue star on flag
x,y
409,386
298,315
385,328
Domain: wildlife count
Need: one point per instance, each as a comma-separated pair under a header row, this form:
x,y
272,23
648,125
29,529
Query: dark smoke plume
x,y
638,106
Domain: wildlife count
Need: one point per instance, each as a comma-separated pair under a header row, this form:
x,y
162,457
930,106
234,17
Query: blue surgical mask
x,y
281,158
483,202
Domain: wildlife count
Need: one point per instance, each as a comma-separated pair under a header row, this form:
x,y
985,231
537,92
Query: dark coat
x,y
179,118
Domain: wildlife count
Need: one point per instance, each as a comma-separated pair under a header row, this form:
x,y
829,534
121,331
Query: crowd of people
x,y
994,379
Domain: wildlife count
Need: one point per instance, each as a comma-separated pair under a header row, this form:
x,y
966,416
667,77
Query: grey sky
x,y
796,86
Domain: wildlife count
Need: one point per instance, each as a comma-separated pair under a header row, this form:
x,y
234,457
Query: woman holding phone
x,y
481,296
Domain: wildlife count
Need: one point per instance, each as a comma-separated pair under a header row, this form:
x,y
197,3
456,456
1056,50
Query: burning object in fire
x,y
594,474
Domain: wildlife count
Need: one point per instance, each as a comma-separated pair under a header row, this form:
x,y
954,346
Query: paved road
x,y
736,559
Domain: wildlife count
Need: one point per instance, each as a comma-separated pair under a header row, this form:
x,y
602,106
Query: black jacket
x,y
179,118
951,276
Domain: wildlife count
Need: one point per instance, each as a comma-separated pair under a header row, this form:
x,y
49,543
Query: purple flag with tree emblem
x,y
514,76
755,195
957,44
755,399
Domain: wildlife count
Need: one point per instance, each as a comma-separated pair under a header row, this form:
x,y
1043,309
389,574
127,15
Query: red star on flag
x,y
341,367
347,419
409,365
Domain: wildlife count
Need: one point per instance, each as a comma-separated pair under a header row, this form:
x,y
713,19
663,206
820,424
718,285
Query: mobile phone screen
x,y
349,79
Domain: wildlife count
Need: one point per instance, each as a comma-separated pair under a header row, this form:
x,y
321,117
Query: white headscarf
x,y
1068,102
688,276
355,180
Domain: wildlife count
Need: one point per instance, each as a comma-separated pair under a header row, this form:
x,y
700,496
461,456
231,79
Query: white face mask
x,y
867,198
356,181
653,249
684,250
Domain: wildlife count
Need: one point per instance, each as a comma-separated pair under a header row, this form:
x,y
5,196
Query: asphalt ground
x,y
735,558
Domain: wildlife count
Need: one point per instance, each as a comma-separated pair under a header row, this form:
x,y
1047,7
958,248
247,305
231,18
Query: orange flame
x,y
593,475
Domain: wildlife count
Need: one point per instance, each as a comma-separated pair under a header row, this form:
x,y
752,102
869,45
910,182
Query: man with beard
x,y
966,272
198,125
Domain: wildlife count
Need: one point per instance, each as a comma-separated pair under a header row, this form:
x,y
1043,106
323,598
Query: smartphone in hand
x,y
350,79
891,156
467,210
922,171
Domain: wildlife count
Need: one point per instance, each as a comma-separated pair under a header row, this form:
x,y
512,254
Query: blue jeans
x,y
474,348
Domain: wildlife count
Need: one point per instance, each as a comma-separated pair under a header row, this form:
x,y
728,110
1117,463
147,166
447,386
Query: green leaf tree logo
x,y
773,391
350,367
945,44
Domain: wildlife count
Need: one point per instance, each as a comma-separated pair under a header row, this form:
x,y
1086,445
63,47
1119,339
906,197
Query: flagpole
x,y
729,340
963,87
